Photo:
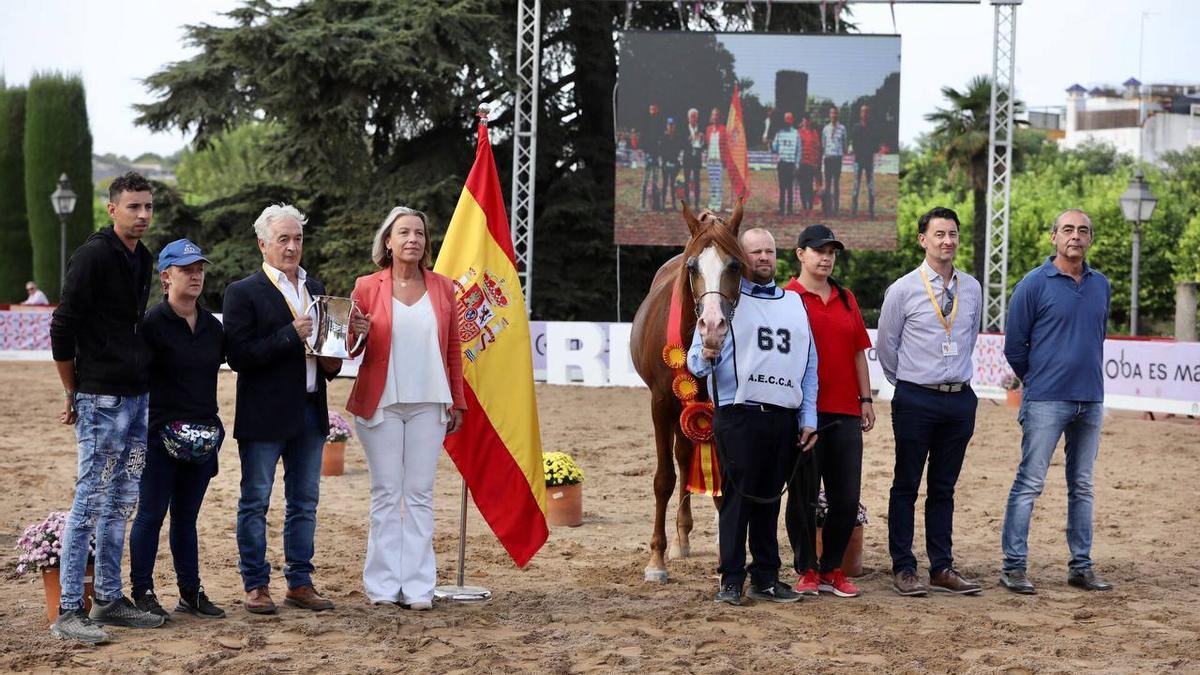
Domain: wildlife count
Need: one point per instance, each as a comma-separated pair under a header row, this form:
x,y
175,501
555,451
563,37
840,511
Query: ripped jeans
x,y
112,453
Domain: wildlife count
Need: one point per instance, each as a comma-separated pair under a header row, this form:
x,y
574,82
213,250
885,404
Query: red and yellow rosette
x,y
685,387
696,420
675,356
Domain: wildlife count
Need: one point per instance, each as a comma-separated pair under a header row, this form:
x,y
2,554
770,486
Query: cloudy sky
x,y
116,43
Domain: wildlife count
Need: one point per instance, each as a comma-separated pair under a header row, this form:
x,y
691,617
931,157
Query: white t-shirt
x,y
416,373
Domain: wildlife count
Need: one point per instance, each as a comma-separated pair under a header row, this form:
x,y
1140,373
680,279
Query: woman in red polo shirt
x,y
841,340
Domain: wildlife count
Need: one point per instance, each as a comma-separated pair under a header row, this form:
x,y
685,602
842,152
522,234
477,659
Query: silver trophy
x,y
331,328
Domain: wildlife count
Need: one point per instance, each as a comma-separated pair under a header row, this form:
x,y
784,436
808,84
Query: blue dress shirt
x,y
910,337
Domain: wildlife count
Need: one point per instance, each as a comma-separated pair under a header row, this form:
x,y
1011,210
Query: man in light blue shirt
x,y
766,409
833,145
927,329
787,146
1055,342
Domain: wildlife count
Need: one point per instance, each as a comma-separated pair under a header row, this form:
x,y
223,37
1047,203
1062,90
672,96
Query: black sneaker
x,y
74,624
121,612
776,592
199,605
729,594
147,601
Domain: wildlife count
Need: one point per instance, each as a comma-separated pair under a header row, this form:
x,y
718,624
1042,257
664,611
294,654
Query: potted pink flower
x,y
333,461
40,547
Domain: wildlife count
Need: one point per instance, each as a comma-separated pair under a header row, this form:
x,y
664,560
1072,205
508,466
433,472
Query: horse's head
x,y
714,264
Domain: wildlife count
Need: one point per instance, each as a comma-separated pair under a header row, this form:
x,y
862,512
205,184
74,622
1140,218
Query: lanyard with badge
x,y
302,293
949,347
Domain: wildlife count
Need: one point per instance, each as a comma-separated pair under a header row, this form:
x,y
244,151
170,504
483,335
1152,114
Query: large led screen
x,y
804,126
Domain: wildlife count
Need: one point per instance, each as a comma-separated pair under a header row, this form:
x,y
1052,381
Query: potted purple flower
x,y
1012,390
852,559
333,461
40,546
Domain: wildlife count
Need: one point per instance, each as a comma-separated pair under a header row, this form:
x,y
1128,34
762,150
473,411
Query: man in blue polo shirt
x,y
1055,344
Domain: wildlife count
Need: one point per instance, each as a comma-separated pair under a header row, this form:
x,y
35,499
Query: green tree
x,y
16,255
960,136
57,140
233,161
374,102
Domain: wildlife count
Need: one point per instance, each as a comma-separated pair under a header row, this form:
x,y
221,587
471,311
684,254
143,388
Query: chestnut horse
x,y
708,272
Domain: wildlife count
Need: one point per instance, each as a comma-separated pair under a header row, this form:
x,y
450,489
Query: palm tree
x,y
961,139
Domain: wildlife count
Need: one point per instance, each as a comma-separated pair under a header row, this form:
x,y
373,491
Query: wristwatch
x,y
69,395
865,399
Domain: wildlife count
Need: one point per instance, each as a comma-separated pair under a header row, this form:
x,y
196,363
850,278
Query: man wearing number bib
x,y
927,330
766,398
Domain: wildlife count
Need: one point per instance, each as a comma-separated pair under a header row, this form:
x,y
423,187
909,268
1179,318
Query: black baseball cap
x,y
816,236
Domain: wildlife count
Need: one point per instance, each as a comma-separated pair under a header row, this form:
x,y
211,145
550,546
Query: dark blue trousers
x,y
168,485
757,452
936,426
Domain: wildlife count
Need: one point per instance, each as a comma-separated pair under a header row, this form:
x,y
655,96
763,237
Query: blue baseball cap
x,y
670,120
180,252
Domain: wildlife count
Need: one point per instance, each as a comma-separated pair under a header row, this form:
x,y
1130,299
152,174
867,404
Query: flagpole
x,y
461,592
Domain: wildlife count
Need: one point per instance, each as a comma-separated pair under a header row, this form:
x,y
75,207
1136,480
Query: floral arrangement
x,y
823,507
339,428
1011,382
561,469
41,544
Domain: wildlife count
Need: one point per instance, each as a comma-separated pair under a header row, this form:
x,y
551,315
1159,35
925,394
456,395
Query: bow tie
x,y
762,290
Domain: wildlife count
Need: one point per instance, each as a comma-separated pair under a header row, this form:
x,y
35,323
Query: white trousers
x,y
402,453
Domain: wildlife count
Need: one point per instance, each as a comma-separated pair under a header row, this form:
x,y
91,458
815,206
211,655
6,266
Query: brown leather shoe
x,y
950,581
305,597
905,582
258,601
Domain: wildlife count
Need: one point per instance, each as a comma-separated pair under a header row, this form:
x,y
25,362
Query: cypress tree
x,y
16,257
57,141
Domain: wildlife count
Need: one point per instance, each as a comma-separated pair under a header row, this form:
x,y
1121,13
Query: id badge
x,y
949,348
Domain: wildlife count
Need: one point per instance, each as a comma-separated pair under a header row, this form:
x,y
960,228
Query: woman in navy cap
x,y
844,409
185,433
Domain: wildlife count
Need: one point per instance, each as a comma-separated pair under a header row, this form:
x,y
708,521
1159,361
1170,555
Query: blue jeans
x,y
168,485
1044,422
301,489
111,431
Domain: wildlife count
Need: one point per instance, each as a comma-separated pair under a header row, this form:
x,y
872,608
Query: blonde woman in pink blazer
x,y
407,397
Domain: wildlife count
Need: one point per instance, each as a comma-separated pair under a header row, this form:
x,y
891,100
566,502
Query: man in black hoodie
x,y
103,364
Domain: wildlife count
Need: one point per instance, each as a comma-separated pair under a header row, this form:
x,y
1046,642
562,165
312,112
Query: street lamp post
x,y
1137,205
63,200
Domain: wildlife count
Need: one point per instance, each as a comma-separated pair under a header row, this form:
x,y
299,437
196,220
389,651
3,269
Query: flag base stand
x,y
464,594
459,592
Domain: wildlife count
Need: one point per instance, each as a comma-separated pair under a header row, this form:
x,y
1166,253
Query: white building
x,y
1144,121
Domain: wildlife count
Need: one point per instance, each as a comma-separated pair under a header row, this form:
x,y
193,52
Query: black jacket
x,y
183,366
97,322
268,355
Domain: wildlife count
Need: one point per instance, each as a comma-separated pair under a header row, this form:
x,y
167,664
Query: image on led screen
x,y
805,127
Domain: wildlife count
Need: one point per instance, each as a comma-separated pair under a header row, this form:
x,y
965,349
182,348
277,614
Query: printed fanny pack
x,y
191,441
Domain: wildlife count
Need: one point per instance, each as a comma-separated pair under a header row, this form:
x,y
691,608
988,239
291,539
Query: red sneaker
x,y
836,582
807,584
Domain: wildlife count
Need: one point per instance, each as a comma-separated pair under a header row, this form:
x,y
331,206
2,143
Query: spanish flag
x,y
499,448
738,160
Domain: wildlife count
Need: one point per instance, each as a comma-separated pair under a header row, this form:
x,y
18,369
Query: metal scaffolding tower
x,y
525,117
999,192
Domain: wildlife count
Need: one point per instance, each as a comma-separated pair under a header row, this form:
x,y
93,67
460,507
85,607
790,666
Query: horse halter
x,y
691,265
